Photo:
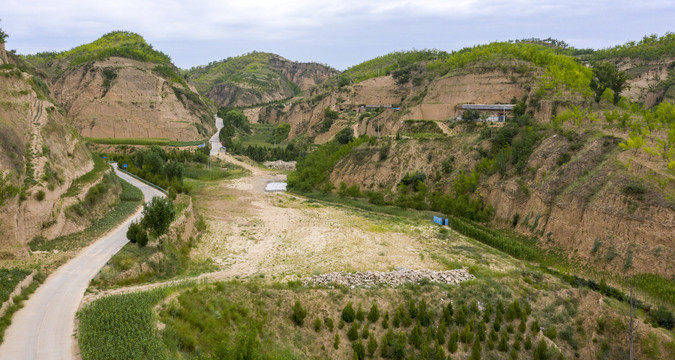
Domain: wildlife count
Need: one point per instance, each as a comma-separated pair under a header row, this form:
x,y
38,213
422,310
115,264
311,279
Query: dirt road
x,y
43,328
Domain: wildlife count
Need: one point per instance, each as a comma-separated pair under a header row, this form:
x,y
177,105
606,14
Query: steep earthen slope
x,y
649,81
41,155
120,87
581,206
125,98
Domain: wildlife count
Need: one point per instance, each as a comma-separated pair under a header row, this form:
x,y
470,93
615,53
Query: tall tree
x,y
3,35
158,215
607,76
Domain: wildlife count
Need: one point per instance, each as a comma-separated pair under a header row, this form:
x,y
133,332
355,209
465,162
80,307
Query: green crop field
x,y
145,141
122,327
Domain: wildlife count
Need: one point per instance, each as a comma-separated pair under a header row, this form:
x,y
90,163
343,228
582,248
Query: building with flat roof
x,y
490,112
488,107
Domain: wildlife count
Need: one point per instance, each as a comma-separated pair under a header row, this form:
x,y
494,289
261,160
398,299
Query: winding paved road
x,y
43,328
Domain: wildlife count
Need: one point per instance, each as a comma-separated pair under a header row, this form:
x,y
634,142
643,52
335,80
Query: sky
x,y
339,33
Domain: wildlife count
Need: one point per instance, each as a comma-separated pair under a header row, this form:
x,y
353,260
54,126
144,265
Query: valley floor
x,y
283,237
262,245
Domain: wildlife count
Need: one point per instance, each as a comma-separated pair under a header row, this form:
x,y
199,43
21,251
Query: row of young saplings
x,y
472,329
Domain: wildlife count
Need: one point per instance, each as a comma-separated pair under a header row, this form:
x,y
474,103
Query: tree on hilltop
x,y
607,76
3,35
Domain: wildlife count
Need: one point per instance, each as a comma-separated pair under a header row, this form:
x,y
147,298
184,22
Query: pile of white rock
x,y
280,165
392,278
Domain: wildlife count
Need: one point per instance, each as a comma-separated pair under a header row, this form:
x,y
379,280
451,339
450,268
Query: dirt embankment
x,y
580,206
644,78
42,154
123,98
243,95
446,95
181,234
583,207
381,166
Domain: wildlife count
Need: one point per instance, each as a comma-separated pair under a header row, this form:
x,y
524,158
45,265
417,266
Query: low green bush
x,y
299,313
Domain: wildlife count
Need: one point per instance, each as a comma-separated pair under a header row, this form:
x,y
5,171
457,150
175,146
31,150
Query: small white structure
x,y
275,186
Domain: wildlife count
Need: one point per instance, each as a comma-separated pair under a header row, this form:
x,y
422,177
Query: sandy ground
x,y
251,232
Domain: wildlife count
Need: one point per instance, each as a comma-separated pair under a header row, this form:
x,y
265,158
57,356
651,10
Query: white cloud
x,y
332,25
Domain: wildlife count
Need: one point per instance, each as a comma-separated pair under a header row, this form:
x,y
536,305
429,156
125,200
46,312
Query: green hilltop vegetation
x,y
651,47
560,70
117,43
385,64
561,63
3,36
259,70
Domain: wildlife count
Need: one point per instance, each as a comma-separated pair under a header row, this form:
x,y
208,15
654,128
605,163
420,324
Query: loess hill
x,y
566,171
120,87
256,78
42,157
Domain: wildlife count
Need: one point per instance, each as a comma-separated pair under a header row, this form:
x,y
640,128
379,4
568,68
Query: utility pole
x,y
633,326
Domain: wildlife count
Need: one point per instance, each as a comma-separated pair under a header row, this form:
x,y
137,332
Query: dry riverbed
x,y
281,236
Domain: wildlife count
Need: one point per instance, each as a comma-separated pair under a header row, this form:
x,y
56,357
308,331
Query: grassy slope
x,y
131,199
116,43
254,69
100,165
9,278
649,48
382,65
560,71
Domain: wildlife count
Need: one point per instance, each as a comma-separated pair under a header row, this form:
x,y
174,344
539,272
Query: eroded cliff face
x,y
124,98
580,206
243,95
41,155
649,81
439,100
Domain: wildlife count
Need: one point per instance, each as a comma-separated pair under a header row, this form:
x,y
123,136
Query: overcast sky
x,y
338,33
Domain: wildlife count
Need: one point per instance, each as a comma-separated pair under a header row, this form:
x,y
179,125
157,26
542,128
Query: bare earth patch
x,y
285,237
